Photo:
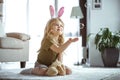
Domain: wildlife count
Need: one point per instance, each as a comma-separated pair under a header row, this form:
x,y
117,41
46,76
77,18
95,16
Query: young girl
x,y
52,47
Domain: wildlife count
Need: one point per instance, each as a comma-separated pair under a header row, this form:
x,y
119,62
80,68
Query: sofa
x,y
14,47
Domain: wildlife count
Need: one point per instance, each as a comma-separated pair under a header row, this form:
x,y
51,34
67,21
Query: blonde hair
x,y
49,35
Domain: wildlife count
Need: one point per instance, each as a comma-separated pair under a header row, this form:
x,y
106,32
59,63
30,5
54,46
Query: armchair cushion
x,y
21,36
10,43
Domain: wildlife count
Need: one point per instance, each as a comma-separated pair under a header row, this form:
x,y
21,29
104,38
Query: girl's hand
x,y
73,40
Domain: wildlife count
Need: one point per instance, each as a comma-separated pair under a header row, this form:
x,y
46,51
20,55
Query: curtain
x,y
15,16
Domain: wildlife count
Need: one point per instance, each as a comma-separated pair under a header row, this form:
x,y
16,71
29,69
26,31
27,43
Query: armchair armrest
x,y
10,43
21,36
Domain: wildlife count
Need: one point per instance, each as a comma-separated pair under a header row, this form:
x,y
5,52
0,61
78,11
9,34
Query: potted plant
x,y
107,42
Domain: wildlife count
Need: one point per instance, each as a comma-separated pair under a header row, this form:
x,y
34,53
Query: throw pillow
x,y
21,36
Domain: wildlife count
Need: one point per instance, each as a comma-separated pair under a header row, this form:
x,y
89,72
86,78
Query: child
x,y
52,47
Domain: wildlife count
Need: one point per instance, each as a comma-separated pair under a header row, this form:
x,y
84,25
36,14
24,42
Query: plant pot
x,y
110,57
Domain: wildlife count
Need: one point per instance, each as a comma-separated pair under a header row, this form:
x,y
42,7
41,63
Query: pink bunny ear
x,y
51,10
60,12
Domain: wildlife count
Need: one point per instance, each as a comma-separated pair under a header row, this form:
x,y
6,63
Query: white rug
x,y
79,73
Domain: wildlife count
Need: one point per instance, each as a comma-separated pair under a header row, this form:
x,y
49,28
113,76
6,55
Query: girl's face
x,y
57,28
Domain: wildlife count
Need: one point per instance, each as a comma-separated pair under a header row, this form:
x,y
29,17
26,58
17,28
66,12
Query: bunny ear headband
x,y
59,14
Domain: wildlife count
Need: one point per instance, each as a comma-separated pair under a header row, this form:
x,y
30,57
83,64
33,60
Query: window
x,y
70,24
30,16
15,15
39,14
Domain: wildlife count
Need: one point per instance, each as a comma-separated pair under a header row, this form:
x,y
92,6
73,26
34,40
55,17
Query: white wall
x,y
107,16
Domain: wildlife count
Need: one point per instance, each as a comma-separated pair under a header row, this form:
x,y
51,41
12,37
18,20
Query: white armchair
x,y
15,47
